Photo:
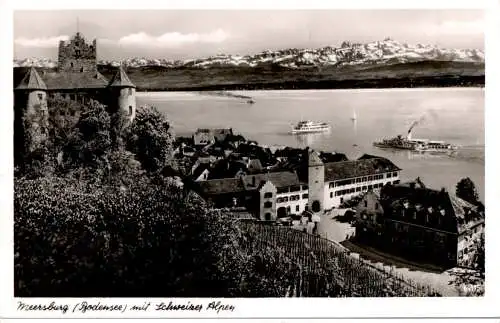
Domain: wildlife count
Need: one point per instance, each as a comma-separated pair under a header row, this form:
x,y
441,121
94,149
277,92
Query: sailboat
x,y
354,117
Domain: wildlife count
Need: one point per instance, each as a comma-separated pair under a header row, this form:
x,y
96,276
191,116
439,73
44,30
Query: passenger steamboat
x,y
310,127
422,145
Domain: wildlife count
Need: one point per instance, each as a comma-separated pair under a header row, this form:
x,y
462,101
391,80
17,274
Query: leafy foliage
x,y
150,140
466,190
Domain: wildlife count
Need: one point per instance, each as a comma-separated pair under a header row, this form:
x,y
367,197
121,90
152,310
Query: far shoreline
x,y
448,81
318,90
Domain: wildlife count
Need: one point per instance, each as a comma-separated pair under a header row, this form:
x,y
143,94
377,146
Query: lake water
x,y
455,115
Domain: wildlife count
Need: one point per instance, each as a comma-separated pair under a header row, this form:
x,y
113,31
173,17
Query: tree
x,y
150,139
466,190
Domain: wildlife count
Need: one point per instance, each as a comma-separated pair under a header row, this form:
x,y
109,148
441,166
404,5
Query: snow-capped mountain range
x,y
387,51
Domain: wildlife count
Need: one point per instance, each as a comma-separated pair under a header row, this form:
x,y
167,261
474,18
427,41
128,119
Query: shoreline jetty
x,y
247,98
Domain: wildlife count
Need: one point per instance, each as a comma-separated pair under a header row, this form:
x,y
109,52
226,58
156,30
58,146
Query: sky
x,y
184,34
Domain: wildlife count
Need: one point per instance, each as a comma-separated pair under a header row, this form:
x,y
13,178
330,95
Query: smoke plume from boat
x,y
424,117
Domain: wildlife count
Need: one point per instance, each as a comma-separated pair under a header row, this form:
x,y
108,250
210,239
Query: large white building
x,y
327,185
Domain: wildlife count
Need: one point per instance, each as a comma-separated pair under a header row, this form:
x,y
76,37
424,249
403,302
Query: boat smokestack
x,y
408,136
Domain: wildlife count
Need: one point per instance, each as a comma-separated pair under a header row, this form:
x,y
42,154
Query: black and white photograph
x,y
265,153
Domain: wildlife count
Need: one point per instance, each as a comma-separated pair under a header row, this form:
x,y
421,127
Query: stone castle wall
x,y
77,56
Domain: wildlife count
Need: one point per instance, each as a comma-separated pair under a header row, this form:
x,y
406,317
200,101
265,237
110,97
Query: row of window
x,y
291,198
362,179
294,188
358,189
268,205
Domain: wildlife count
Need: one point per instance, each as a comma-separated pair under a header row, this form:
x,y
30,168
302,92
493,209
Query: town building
x,y
77,79
333,183
281,194
204,136
431,226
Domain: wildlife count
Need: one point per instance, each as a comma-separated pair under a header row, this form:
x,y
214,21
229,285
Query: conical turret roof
x,y
121,79
32,81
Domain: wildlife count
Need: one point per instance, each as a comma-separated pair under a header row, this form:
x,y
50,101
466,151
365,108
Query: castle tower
x,y
30,113
77,56
316,179
122,94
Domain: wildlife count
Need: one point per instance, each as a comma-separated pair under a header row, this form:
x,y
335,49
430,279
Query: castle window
x,y
40,96
331,194
81,69
304,196
268,204
130,91
376,206
366,204
297,208
268,195
71,65
129,110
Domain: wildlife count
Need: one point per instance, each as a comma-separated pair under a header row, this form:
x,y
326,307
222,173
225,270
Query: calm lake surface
x,y
455,115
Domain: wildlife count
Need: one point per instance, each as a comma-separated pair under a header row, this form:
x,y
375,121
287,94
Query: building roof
x,y
75,80
200,169
220,134
465,213
279,179
221,186
32,81
121,79
357,168
314,159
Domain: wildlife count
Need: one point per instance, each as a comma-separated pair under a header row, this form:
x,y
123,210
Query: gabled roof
x,y
221,186
220,134
465,213
75,80
121,79
32,81
200,169
279,179
357,168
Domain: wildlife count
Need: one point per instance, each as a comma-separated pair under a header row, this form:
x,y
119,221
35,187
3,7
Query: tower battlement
x,y
76,55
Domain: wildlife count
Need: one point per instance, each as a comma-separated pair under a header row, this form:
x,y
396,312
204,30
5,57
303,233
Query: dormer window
x,y
81,69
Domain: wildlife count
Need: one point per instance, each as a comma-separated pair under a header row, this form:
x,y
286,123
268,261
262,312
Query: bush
x,y
150,139
80,239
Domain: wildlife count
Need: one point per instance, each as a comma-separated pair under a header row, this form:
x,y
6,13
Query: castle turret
x,y
31,112
316,179
123,94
